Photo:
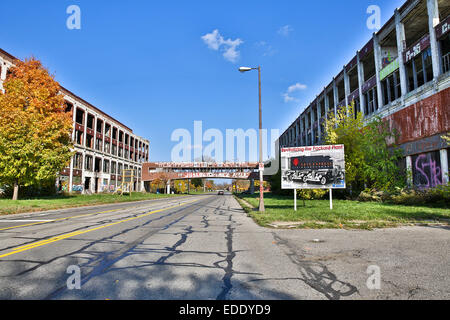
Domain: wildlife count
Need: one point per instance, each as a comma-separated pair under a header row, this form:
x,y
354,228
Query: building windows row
x,y
88,163
78,161
95,164
98,144
444,46
419,70
391,88
371,101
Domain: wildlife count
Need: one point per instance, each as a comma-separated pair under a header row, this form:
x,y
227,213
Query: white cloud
x,y
297,87
285,30
287,96
216,42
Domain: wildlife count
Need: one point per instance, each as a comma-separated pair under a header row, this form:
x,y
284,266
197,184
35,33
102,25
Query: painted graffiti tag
x,y
77,188
428,173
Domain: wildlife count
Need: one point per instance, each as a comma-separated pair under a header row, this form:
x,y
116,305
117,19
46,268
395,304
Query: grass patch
x,y
69,201
346,214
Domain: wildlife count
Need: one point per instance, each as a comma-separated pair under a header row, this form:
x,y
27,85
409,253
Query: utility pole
x,y
261,163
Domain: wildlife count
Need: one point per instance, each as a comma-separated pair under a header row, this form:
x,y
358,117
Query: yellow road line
x,y
75,233
24,225
59,219
66,218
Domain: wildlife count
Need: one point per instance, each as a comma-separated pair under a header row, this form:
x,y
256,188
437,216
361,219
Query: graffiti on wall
x,y
64,181
77,188
427,171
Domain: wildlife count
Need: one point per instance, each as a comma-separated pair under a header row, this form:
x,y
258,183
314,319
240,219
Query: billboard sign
x,y
316,167
128,175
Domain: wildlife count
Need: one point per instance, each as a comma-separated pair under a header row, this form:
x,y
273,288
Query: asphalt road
x,y
205,247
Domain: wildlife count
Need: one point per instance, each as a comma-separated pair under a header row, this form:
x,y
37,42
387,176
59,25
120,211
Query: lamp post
x,y
261,175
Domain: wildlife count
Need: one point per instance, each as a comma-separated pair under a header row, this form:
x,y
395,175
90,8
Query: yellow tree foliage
x,y
446,137
35,130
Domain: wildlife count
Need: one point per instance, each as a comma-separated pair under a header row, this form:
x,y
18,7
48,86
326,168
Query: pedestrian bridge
x,y
204,170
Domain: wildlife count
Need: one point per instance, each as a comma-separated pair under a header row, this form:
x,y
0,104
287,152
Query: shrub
x,y
439,196
373,195
312,194
43,189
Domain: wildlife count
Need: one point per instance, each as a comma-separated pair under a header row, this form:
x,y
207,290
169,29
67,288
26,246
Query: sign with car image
x,y
316,167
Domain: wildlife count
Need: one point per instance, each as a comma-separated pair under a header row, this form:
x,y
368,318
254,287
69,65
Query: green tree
x,y
381,154
371,156
347,129
35,141
197,182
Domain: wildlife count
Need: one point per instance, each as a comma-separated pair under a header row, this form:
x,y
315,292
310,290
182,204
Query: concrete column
x,y
409,169
85,127
312,125
433,21
3,73
74,119
401,46
319,118
326,101
103,134
92,185
444,165
361,80
83,170
301,129
336,97
71,175
95,132
346,87
73,139
378,60
110,141
168,187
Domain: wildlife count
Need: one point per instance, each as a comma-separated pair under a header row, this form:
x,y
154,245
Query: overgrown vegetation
x,y
371,156
435,197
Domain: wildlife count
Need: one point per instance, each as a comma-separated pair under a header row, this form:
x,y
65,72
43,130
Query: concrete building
x,y
104,146
402,75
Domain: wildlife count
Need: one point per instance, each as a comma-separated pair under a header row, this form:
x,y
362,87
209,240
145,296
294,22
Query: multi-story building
x,y
401,75
103,146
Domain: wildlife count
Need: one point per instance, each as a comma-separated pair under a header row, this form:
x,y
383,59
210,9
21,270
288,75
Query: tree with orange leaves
x,y
35,130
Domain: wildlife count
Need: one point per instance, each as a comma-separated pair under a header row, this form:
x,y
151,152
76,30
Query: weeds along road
x,y
205,247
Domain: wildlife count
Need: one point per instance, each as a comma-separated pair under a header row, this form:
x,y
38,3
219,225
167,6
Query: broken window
x,y
90,121
371,101
79,118
88,160
78,161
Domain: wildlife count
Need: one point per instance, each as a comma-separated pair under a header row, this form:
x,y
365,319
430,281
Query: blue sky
x,y
153,65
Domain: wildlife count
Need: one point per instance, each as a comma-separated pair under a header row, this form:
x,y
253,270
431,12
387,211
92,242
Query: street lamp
x,y
261,175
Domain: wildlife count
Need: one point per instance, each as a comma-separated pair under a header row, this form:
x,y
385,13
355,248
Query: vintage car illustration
x,y
317,169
